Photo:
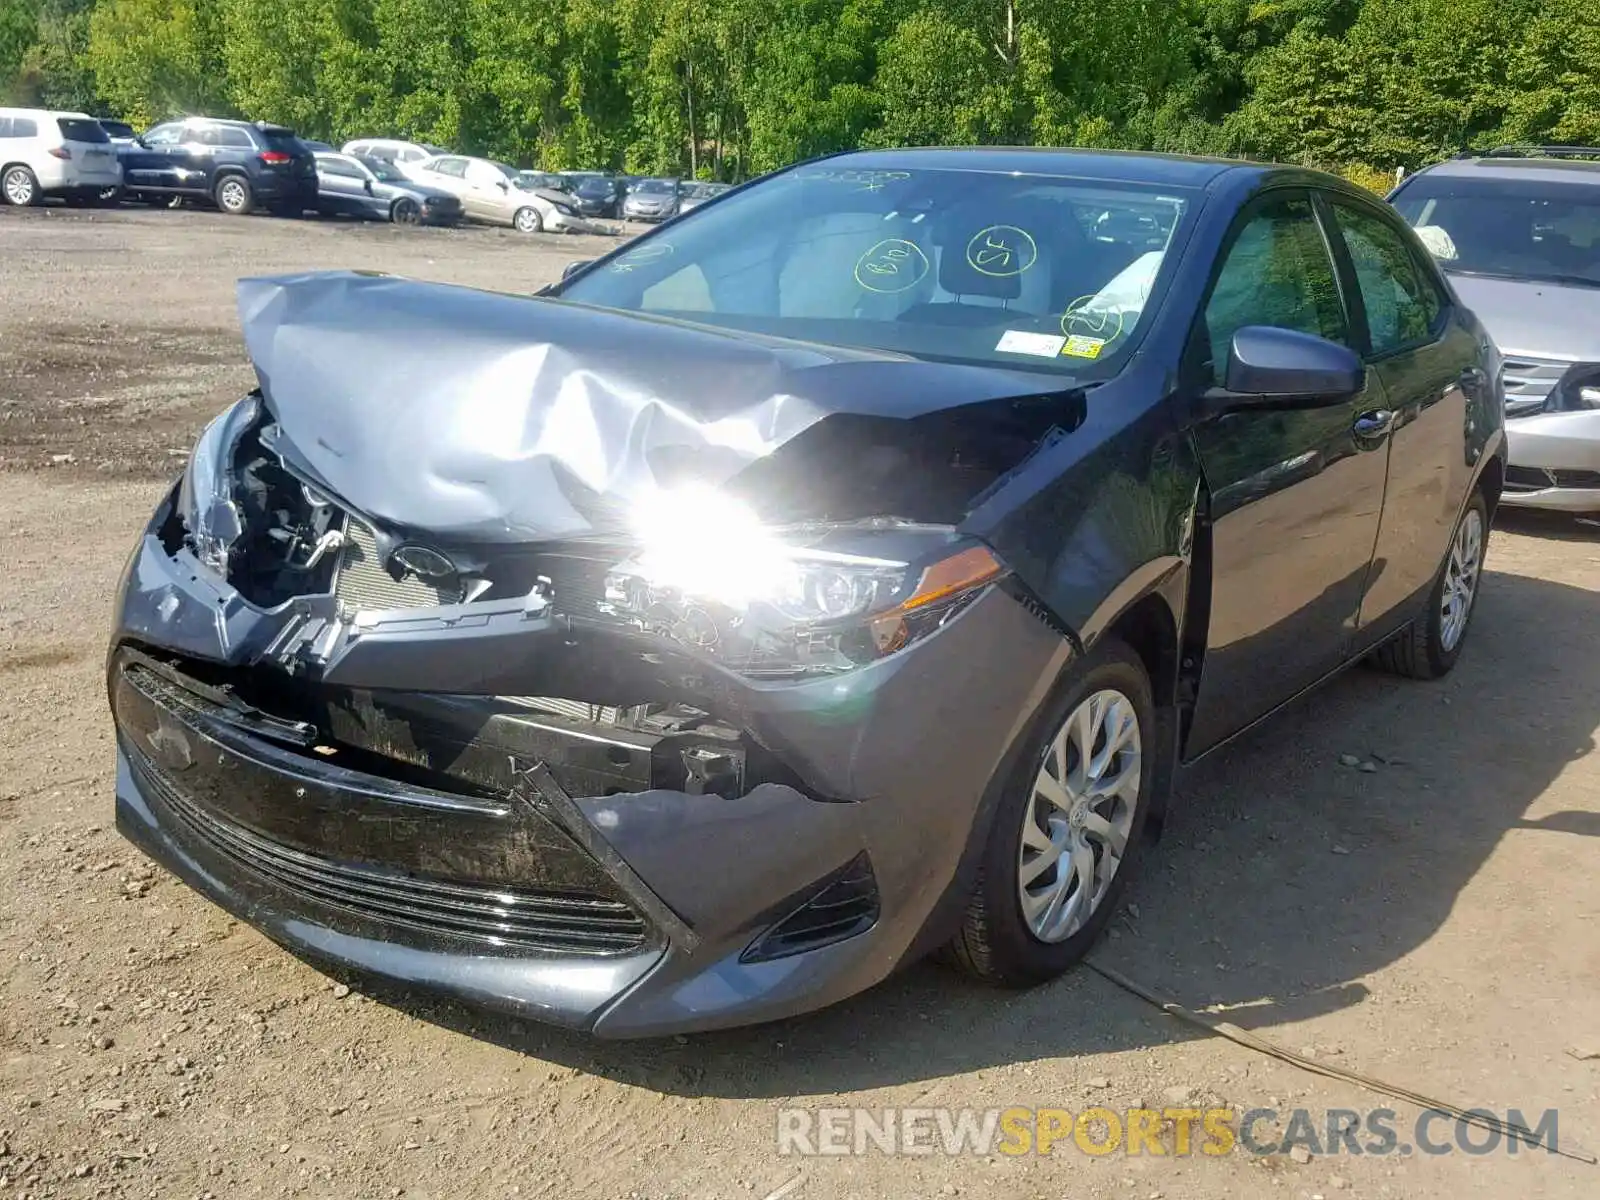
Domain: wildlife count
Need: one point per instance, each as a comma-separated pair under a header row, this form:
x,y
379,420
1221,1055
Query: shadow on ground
x,y
1284,878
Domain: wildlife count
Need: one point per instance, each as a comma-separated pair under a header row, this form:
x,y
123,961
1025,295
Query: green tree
x,y
154,58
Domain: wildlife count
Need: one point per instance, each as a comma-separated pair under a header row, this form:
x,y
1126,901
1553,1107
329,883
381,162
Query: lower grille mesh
x,y
551,921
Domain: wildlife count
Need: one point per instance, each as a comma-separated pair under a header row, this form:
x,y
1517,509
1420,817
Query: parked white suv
x,y
45,153
404,155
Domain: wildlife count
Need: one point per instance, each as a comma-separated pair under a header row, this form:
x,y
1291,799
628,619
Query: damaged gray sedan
x,y
837,574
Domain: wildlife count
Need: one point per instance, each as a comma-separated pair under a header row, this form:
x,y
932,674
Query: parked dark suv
x,y
236,165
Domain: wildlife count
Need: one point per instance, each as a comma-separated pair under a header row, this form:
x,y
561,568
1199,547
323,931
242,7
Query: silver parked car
x,y
651,200
1518,232
693,195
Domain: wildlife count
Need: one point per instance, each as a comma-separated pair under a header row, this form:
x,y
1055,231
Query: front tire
x,y
20,186
1068,827
405,212
233,196
528,220
1430,646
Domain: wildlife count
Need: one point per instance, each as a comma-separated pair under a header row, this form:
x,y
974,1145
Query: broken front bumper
x,y
453,843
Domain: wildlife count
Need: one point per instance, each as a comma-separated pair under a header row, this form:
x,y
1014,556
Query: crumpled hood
x,y
488,417
1532,319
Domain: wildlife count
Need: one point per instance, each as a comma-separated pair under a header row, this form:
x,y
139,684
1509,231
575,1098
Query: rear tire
x,y
405,212
233,195
528,220
1430,646
20,186
1058,857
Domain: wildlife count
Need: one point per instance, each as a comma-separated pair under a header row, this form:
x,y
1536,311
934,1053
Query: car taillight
x,y
61,152
274,158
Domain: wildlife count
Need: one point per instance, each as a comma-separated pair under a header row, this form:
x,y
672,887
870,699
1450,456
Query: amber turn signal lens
x,y
951,575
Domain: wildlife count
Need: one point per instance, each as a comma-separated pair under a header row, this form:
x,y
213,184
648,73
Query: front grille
x,y
846,905
1528,382
364,583
569,923
1534,479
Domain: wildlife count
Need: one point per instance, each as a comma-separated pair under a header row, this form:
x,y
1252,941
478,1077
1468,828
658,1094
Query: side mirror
x,y
1270,367
572,268
141,143
367,185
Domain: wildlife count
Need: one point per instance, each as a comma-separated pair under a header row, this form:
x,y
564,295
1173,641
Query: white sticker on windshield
x,y
1020,341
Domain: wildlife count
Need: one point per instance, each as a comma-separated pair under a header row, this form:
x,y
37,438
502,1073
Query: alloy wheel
x,y
1461,579
232,196
407,213
527,220
20,187
1075,832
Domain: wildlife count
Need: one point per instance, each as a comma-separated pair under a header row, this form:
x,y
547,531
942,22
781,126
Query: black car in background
x,y
237,165
120,132
598,194
351,186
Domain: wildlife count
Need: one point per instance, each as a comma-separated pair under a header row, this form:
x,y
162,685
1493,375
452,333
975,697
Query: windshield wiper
x,y
1565,280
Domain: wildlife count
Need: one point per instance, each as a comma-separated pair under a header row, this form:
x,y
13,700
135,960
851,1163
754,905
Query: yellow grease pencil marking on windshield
x,y
1102,323
642,257
1000,251
893,265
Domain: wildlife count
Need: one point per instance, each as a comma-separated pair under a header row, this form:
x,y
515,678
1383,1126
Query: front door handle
x,y
1374,424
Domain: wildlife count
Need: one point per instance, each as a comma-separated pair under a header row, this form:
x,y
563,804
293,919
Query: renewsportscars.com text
x,y
1157,1132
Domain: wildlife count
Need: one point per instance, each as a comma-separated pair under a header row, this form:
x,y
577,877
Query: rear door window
x,y
450,166
344,168
19,127
1402,303
82,129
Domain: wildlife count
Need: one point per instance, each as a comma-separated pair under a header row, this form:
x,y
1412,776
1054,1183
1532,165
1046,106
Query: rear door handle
x,y
1374,424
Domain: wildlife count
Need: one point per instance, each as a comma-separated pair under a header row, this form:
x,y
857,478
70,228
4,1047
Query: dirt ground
x,y
1429,915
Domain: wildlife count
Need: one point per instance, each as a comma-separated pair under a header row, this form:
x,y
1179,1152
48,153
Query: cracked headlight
x,y
206,499
820,599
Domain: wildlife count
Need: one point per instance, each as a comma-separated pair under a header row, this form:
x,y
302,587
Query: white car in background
x,y
48,153
404,155
492,192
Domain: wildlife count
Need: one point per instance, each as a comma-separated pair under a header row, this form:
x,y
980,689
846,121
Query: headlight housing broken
x,y
791,601
206,500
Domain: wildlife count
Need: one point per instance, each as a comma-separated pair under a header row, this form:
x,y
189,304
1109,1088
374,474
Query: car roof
x,y
46,112
1538,168
1126,166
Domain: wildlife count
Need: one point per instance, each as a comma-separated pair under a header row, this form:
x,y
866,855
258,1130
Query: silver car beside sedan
x,y
1518,233
652,200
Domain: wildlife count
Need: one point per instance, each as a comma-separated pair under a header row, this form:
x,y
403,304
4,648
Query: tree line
x,y
731,88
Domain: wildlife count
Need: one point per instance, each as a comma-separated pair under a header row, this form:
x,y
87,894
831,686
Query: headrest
x,y
978,257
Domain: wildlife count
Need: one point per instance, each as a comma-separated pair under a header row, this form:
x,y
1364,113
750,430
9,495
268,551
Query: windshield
x,y
1027,270
1516,228
654,186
